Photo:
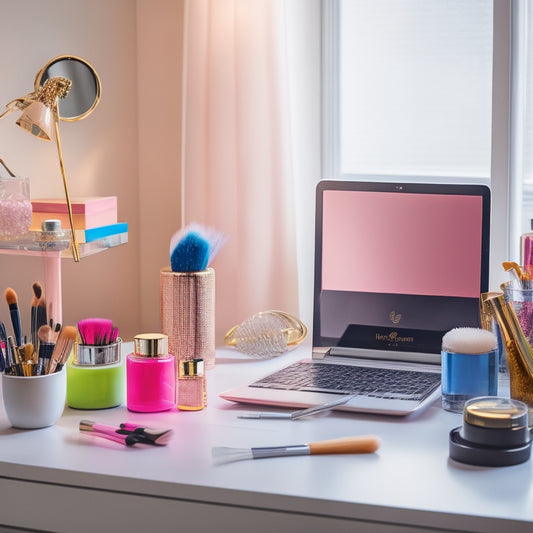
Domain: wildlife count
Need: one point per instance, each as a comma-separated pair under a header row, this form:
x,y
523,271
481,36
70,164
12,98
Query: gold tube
x,y
519,353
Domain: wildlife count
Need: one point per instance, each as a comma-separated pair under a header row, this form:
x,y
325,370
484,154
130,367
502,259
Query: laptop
x,y
397,265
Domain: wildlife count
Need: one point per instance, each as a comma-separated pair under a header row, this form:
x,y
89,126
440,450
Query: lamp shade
x,y
37,119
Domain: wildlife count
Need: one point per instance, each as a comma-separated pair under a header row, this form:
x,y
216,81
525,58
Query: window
x,y
418,90
522,119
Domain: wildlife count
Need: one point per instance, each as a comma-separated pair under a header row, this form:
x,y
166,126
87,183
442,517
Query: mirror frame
x,y
39,76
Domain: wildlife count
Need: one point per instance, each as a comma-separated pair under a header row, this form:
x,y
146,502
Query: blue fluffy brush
x,y
193,248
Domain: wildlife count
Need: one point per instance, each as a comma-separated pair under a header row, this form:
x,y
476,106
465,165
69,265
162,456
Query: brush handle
x,y
52,284
362,444
279,451
121,439
15,321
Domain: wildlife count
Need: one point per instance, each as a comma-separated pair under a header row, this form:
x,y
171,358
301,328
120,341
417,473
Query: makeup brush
x,y
62,349
14,357
150,436
3,348
192,248
41,304
9,354
102,431
33,320
97,331
11,299
46,348
190,254
364,444
136,435
520,275
46,334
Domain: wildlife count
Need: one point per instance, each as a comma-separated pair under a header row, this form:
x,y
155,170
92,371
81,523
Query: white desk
x,y
56,479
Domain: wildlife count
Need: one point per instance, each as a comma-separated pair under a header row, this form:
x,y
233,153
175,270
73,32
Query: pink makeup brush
x,y
127,434
97,331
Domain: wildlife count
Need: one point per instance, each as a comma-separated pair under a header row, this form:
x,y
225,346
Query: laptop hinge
x,y
361,353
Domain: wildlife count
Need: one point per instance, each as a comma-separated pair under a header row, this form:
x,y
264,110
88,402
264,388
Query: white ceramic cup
x,y
36,401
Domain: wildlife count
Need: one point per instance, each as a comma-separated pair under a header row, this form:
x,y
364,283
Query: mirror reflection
x,y
84,95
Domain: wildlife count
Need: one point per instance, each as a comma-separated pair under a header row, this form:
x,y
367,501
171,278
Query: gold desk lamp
x,y
66,88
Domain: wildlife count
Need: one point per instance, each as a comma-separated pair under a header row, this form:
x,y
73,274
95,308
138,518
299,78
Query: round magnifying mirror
x,y
85,92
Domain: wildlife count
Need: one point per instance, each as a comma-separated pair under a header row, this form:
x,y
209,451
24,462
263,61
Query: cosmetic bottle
x,y
150,375
96,377
192,389
526,247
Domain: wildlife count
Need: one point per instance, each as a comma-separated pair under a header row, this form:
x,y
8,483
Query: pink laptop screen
x,y
416,244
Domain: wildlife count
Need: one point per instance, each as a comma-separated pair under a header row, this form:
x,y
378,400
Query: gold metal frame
x,y
22,103
38,78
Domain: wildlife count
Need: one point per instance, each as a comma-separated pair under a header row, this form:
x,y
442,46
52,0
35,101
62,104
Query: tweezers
x,y
295,415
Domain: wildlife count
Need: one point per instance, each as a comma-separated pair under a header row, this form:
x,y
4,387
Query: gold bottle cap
x,y
495,412
151,345
191,368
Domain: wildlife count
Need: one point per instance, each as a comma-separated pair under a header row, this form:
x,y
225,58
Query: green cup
x,y
96,386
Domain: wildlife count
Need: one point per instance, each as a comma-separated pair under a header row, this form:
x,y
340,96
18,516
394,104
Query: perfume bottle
x,y
150,375
192,389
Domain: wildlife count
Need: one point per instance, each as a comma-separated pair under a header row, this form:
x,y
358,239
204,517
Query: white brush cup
x,y
35,401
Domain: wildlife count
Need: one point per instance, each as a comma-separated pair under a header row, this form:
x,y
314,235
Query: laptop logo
x,y
392,339
395,317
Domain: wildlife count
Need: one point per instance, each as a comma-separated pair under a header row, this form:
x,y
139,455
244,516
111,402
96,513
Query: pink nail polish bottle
x,y
150,374
192,390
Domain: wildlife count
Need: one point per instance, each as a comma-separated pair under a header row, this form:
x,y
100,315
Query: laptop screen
x,y
412,257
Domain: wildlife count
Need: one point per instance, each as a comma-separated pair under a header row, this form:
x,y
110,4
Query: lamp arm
x,y
75,248
19,103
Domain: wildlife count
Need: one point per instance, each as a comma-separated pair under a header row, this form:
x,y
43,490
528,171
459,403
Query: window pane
x,y
524,123
415,87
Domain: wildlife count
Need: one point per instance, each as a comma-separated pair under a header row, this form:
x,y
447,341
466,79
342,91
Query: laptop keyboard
x,y
348,379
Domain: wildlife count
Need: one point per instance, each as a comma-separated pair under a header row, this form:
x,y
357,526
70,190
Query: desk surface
x,y
409,482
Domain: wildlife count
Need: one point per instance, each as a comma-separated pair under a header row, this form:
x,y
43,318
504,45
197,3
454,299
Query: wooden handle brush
x,y
361,444
62,348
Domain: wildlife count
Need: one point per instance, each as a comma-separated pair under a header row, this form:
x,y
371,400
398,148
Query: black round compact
x,y
495,433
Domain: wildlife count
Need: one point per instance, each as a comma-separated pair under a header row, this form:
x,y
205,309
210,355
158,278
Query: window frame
x,y
504,191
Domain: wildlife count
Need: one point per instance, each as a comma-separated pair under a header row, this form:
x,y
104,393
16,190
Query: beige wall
x,y
129,146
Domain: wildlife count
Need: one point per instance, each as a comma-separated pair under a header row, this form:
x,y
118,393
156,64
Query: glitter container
x,y
192,386
188,314
15,207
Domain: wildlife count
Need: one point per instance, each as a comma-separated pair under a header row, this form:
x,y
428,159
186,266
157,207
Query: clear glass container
x,y
15,207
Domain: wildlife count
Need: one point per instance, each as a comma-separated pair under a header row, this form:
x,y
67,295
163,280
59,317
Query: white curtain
x,y
237,170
